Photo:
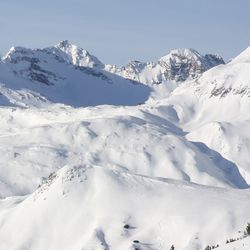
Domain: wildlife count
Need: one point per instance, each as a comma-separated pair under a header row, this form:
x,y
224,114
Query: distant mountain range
x,y
68,74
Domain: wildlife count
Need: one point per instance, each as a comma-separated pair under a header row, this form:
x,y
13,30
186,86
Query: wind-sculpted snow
x,y
136,142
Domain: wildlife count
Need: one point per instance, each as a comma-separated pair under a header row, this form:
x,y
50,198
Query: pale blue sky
x,y
117,31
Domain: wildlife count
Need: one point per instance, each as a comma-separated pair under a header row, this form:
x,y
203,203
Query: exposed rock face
x,y
187,63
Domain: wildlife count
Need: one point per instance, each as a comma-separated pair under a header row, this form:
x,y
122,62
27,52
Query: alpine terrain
x,y
148,156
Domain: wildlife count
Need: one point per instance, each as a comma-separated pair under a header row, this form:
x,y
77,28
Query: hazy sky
x,y
117,31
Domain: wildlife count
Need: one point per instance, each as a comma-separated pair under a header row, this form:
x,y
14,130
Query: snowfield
x,y
144,156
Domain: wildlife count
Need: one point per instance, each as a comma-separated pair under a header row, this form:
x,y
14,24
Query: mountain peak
x,y
69,48
182,64
64,44
181,53
77,55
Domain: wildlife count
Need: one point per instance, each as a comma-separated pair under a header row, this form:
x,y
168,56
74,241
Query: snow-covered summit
x,y
63,51
181,53
181,64
66,74
77,55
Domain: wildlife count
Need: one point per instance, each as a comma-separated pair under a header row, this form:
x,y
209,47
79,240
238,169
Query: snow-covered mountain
x,y
76,55
214,109
179,65
140,157
63,74
70,75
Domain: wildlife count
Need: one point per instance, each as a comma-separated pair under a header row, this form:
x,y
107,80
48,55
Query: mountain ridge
x,y
67,68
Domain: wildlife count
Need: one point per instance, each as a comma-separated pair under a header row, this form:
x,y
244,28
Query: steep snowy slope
x,y
91,207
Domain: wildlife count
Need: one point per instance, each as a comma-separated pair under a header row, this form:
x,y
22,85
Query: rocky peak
x,y
213,60
77,56
64,44
178,55
181,64
135,66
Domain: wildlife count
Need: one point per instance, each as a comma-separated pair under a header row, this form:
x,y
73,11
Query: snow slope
x,y
231,139
87,207
242,244
225,86
153,147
